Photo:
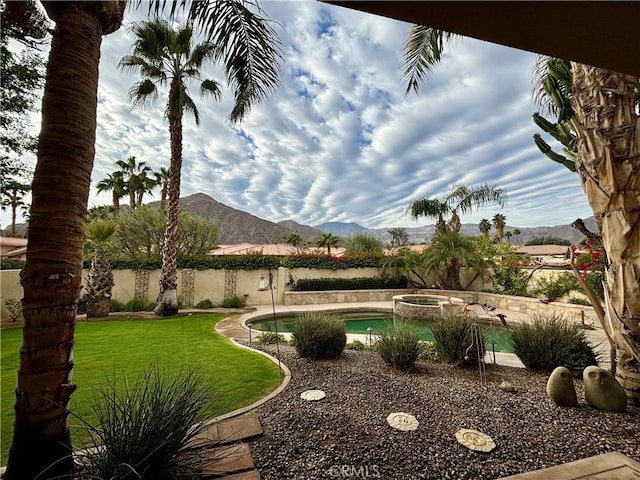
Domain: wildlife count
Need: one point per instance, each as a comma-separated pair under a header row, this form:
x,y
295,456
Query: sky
x,y
339,140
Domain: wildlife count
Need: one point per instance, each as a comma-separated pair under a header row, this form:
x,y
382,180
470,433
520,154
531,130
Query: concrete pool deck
x,y
236,327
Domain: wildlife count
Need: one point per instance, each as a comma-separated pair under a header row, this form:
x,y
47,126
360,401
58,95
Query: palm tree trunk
x,y
52,275
116,203
168,299
608,133
14,209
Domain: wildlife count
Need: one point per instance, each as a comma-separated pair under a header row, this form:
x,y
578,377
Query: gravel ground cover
x,y
346,435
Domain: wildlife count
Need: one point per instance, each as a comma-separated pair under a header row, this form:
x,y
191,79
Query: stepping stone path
x,y
223,453
313,395
402,421
475,440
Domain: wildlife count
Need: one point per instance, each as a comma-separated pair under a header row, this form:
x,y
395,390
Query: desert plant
x,y
430,351
232,302
355,345
139,305
399,345
555,286
145,427
204,304
550,342
453,336
319,335
14,307
116,305
271,338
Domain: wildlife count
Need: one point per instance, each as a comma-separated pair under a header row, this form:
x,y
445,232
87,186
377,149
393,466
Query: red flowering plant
x,y
589,262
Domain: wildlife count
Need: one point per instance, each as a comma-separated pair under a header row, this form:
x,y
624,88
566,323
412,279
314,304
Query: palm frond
x,y
465,198
428,207
423,51
143,93
212,88
248,46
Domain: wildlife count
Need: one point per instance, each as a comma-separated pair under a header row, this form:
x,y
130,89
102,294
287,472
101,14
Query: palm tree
x,y
328,240
131,171
162,181
163,55
508,235
516,233
13,193
293,238
408,264
52,275
461,199
114,183
499,222
144,184
607,146
100,281
485,227
447,253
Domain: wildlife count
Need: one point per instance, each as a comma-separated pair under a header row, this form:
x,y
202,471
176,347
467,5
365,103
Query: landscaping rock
x,y
602,390
507,387
561,389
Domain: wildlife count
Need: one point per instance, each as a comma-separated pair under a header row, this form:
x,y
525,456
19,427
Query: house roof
x,y
537,250
276,249
13,242
569,30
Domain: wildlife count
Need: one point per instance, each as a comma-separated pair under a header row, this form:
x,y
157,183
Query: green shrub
x,y
358,283
399,345
356,345
430,351
579,301
556,286
550,342
452,337
204,304
14,307
139,305
116,305
233,302
144,428
510,280
319,335
270,338
82,306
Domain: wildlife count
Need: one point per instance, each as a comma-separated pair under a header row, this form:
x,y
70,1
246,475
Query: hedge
x,y
357,283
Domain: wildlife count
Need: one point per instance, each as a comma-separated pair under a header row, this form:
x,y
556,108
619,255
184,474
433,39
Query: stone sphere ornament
x,y
475,440
313,395
402,421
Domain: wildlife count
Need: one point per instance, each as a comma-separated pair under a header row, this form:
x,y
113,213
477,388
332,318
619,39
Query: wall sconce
x,y
262,280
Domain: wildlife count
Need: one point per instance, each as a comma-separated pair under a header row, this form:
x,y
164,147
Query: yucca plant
x,y
319,335
399,345
549,342
144,428
100,281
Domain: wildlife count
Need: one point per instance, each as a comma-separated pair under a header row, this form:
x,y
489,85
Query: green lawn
x,y
239,376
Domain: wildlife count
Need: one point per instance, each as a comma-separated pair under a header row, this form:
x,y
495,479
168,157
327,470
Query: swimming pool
x,y
360,322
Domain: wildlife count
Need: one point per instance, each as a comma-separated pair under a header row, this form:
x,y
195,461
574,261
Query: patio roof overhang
x,y
603,34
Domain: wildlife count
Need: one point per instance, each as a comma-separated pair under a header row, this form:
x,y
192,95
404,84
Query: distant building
x,y
13,248
275,249
552,255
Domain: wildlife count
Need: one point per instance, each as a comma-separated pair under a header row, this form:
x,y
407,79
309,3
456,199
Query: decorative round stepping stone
x,y
402,421
475,440
312,395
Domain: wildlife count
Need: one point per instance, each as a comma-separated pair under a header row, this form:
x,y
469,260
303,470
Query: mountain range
x,y
236,226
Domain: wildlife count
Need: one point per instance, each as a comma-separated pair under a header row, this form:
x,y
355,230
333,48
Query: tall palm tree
x,y
131,171
52,275
51,278
508,236
485,227
328,240
163,55
116,185
461,199
293,238
449,252
499,222
516,233
607,146
13,194
100,281
144,184
162,181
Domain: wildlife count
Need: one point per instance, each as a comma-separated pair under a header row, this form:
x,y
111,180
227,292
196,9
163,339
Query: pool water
x,y
360,325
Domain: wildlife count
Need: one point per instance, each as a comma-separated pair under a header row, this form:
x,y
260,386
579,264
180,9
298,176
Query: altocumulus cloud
x,y
339,140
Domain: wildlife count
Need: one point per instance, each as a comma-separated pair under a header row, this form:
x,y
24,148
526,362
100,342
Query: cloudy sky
x,y
339,140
